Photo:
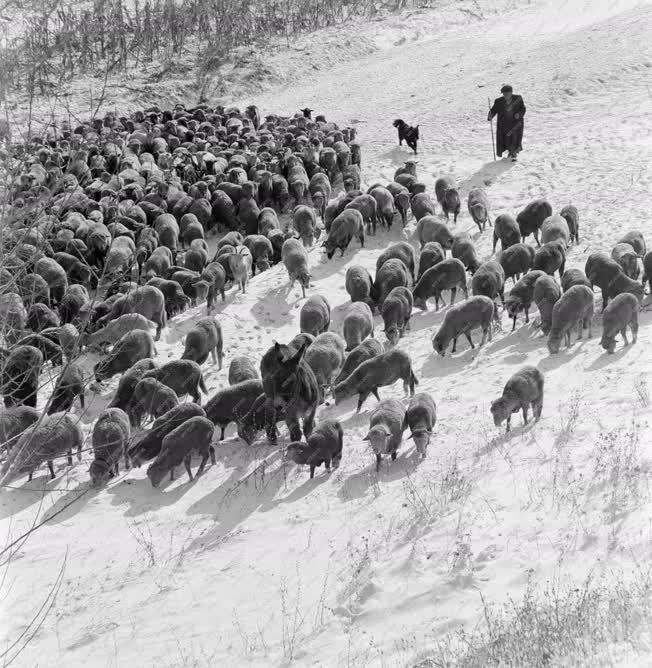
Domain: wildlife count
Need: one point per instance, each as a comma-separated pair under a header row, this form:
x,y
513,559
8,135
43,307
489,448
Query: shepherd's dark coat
x,y
509,128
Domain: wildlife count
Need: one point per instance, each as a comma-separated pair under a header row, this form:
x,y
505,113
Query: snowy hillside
x,y
255,564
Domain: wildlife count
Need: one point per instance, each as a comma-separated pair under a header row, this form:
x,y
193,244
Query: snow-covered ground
x,y
253,563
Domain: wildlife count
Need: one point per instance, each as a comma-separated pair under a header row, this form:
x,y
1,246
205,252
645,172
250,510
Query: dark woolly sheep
x,y
421,205
401,197
148,300
167,229
304,222
545,295
320,192
573,309
601,270
392,274
174,299
256,420
365,351
14,422
33,289
77,270
128,382
325,356
233,238
195,259
204,339
446,275
475,312
360,285
522,390
110,440
242,368
231,404
570,214
385,208
386,426
357,326
448,196
183,376
333,209
41,317
431,254
516,260
214,274
268,221
636,240
396,313
431,229
51,351
13,315
315,315
116,329
72,303
420,419
627,258
622,284
621,313
489,280
157,263
132,347
262,252
323,446
463,249
551,257
295,259
280,191
366,205
54,275
150,397
507,231
401,251
573,277
555,228
70,384
521,296
478,206
531,218
346,225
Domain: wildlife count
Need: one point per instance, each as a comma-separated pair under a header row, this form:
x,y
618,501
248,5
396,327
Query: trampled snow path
x,y
254,564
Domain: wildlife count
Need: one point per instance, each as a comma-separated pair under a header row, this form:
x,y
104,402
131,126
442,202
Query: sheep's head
x,y
421,439
554,342
100,472
298,452
440,343
513,305
500,410
378,438
608,343
156,472
420,303
393,334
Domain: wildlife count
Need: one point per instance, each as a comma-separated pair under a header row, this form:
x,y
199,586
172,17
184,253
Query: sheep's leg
x,y
508,426
378,459
172,473
303,291
361,399
524,408
469,339
527,314
580,329
312,471
394,453
70,457
484,337
537,407
605,300
220,357
536,238
222,432
202,464
51,467
82,400
186,463
590,323
453,293
294,428
568,338
514,325
375,393
454,345
309,422
623,333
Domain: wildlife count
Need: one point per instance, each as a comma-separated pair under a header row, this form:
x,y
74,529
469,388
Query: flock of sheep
x,y
106,242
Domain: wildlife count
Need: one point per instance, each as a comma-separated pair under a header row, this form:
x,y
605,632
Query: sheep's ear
x,y
366,438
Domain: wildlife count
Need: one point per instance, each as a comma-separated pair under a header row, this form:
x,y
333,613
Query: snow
x,y
253,563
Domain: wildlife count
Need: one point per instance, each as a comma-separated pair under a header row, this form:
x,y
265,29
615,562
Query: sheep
x,y
194,435
396,313
34,290
70,384
19,376
325,357
231,403
448,196
521,296
280,191
323,446
360,286
627,258
50,437
214,274
183,376
545,295
464,250
304,222
195,259
240,265
267,221
15,421
647,269
77,270
54,276
393,273
14,316
120,259
531,218
174,299
636,240
333,209
551,257
431,253
150,397
167,229
401,251
475,312
346,225
621,313
570,214
366,205
72,303
522,390
191,231
242,368
320,192
384,205
401,197
516,260
116,329
431,229
261,250
555,228
51,351
358,324
601,270
489,280
379,371
295,259
157,263
478,206
110,439
315,315
506,230
446,275
147,445
623,283
573,309
128,382
420,419
147,300
204,339
132,347
40,317
386,427
421,205
573,277
365,351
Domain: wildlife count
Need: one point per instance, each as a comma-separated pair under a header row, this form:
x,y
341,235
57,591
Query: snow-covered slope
x,y
253,563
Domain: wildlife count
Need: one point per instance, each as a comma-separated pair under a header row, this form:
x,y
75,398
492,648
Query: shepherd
x,y
510,110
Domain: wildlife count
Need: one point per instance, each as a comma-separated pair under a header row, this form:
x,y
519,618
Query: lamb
x,y
446,275
507,231
570,214
215,276
522,390
621,313
545,295
19,376
268,221
647,269
531,218
516,260
360,285
431,254
40,317
351,178
14,422
183,376
393,273
366,205
601,270
365,351
147,300
384,206
358,325
379,371
194,435
478,206
325,357
315,315
116,329
304,221
132,347
463,319
636,240
234,239
150,397
401,251
448,196
128,382
240,265
573,277
489,280
70,384
261,250
464,250
203,339
230,404
430,229
346,225
551,257
295,259
386,426
280,191
521,296
555,228
110,440
396,313
420,419
52,436
573,309
621,284
323,446
242,368
627,258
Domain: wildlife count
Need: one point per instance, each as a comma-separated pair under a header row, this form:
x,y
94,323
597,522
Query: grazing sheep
x,y
647,269
70,384
384,205
448,196
116,329
516,260
256,419
396,312
360,285
420,419
346,225
325,356
621,284
34,290
573,277
280,191
401,197
521,296
365,351
55,277
19,376
110,440
522,390
379,371
546,294
421,205
366,205
50,437
242,368
132,347
240,265
627,258
304,222
183,376
231,404
157,263
357,326
531,218
323,446
320,192
400,251
333,209
195,259
446,275
40,317
431,229
572,217
13,422
475,312
507,231
621,313
128,382
167,229
478,206
573,309
601,270
489,280
392,274
261,250
174,299
147,300
315,315
636,240
555,228
51,351
193,435
551,257
268,221
150,397
295,259
386,427
204,339
215,275
463,249
431,254
72,303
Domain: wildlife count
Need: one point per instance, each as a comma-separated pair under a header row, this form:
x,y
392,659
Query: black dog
x,y
407,132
